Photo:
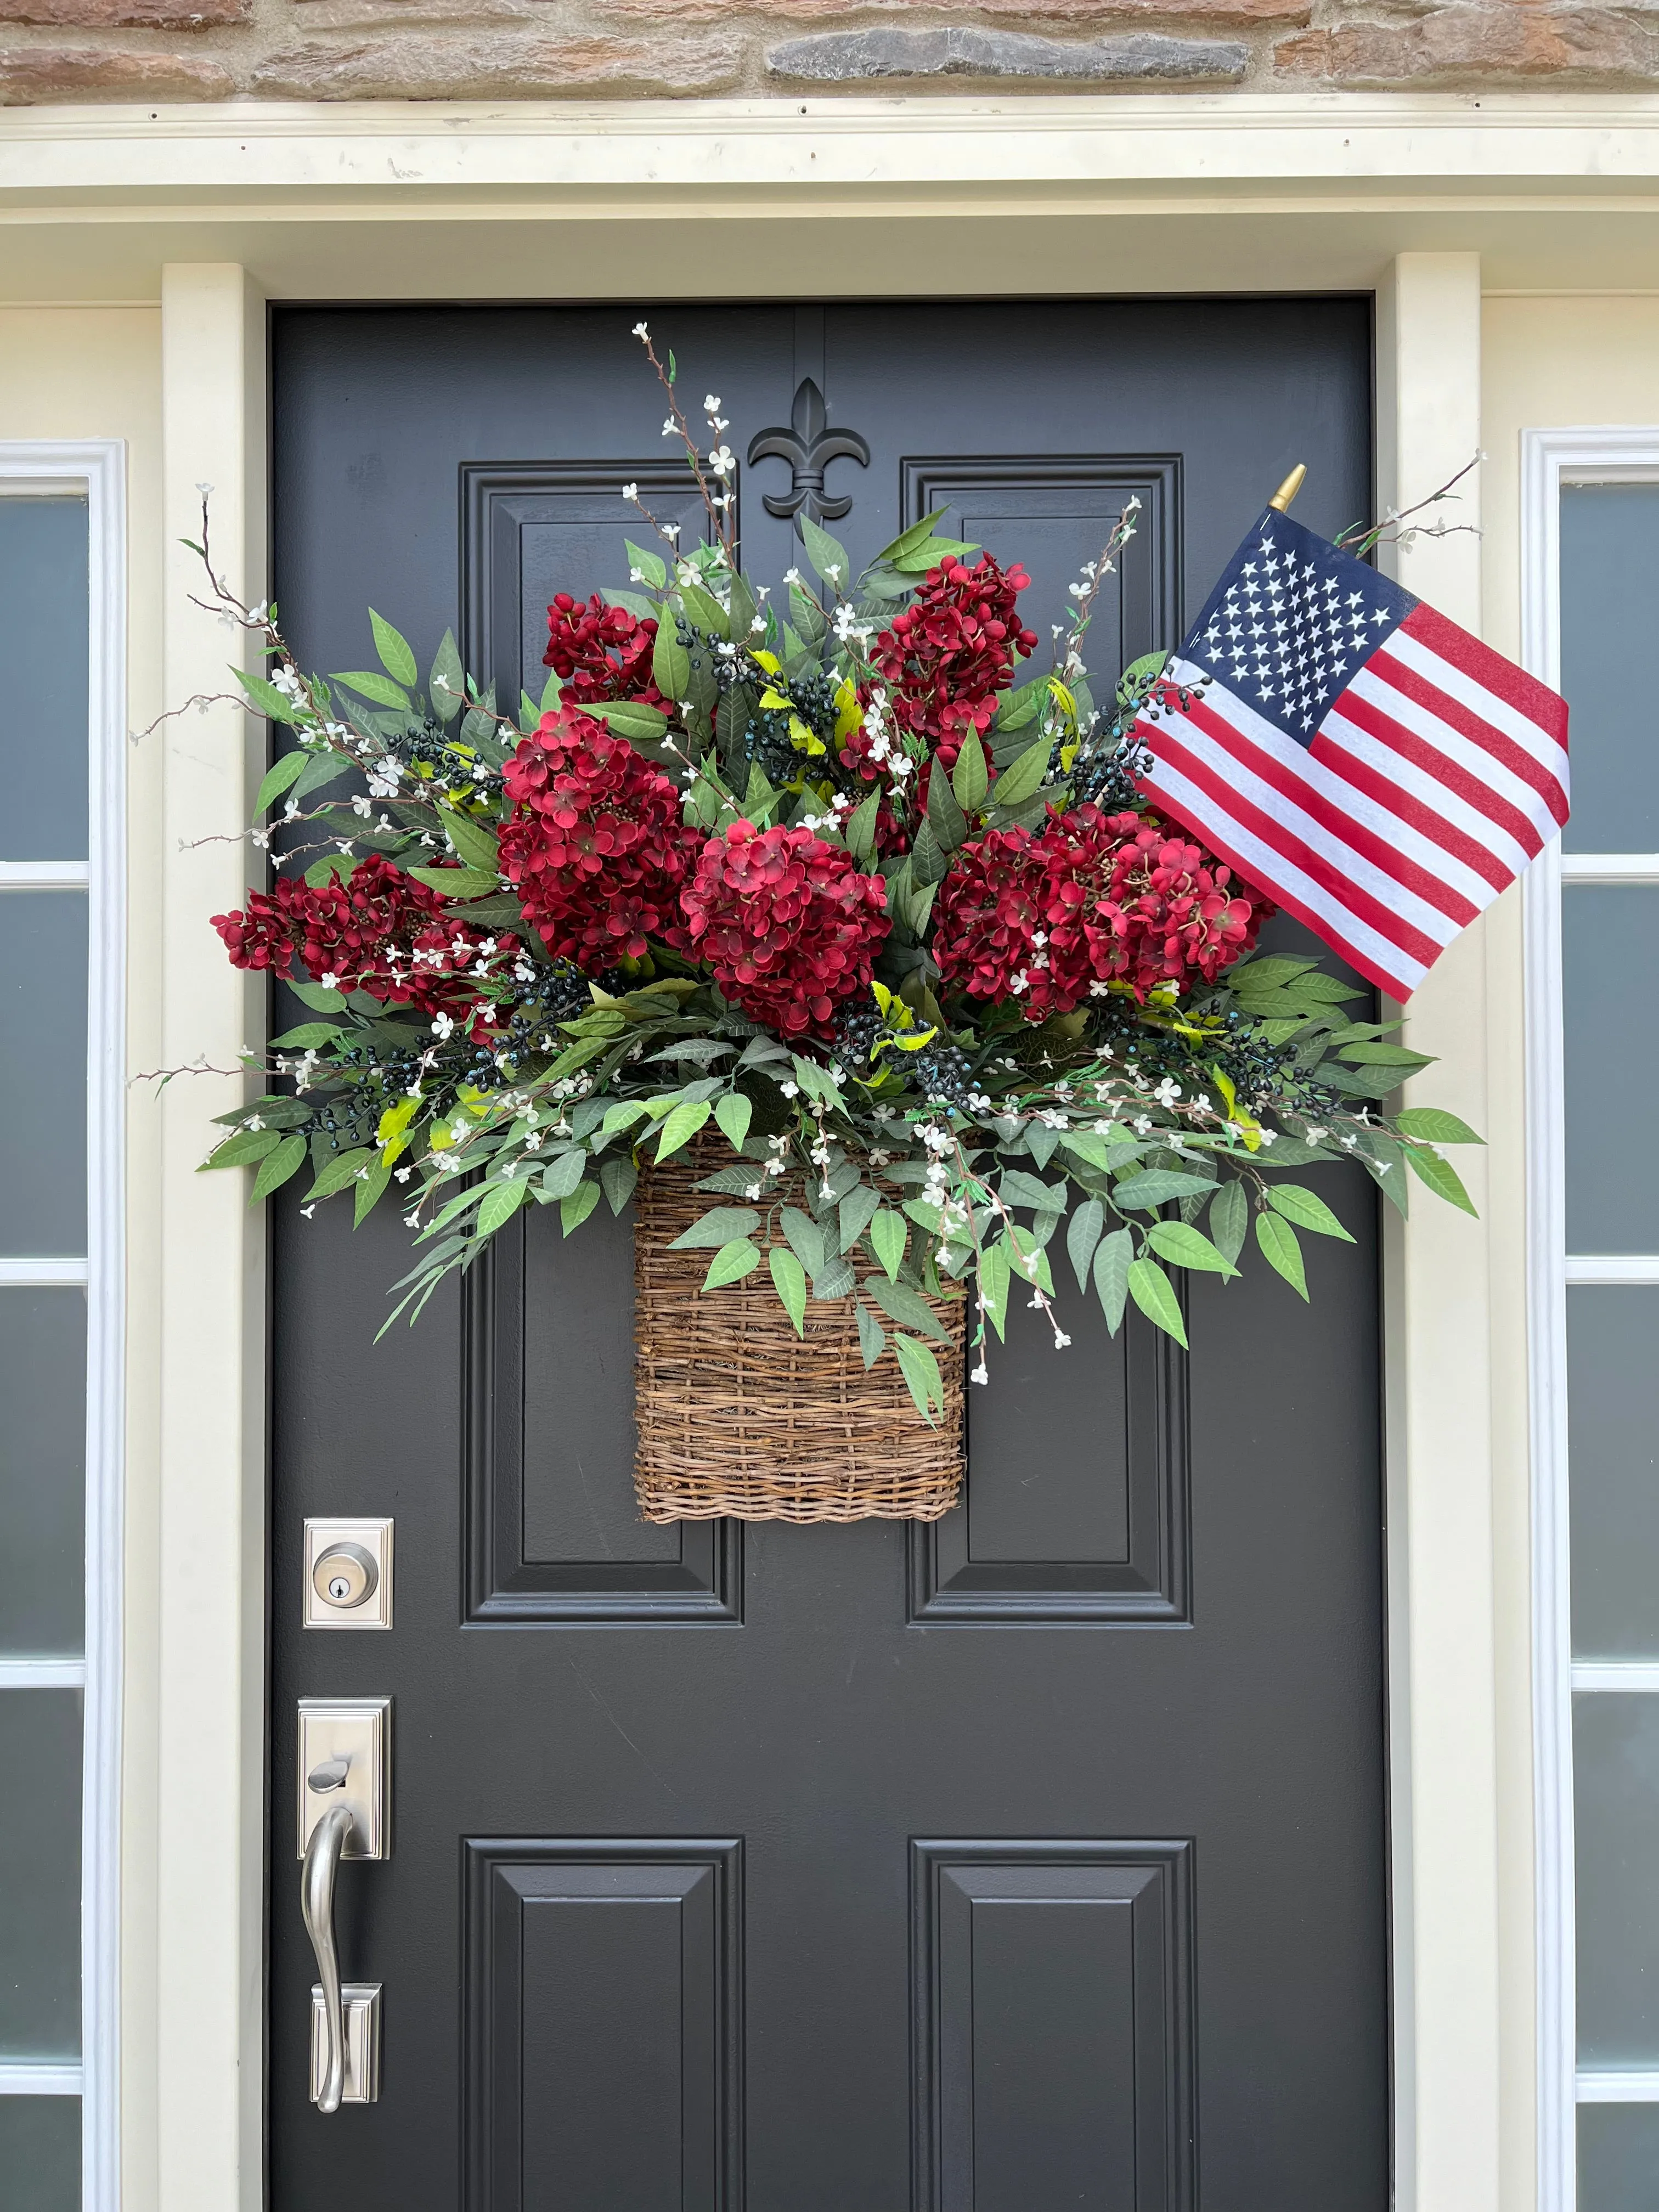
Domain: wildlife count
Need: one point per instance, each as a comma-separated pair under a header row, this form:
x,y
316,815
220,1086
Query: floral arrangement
x,y
829,880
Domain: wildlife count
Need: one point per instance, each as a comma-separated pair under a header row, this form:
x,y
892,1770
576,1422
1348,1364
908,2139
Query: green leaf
x,y
1082,1235
873,1337
806,1238
372,685
650,566
827,555
907,1307
550,692
243,1149
1440,1177
500,1202
475,844
929,859
561,1175
704,609
1439,1126
1154,1293
789,1281
321,768
733,1114
1370,1052
670,664
908,539
307,1035
321,997
275,705
340,1170
859,833
396,658
278,1166
857,1210
640,724
1278,1244
1158,1186
1184,1246
1112,1275
969,778
459,883
929,554
575,1207
278,778
1230,1219
617,1177
1306,1210
368,1194
447,682
1020,780
920,1371
945,817
721,1225
888,1238
732,1263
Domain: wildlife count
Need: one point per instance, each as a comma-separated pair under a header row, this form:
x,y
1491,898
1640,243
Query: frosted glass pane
x,y
1613,1398
1616,1784
1613,1067
1609,588
40,2154
43,1381
1618,2158
43,700
43,1071
39,1874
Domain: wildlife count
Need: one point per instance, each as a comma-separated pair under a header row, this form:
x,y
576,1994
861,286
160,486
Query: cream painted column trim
x,y
210,2028
1439,1290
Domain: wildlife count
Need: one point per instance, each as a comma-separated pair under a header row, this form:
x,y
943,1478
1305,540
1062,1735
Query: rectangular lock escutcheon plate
x,y
360,2004
332,1601
357,1731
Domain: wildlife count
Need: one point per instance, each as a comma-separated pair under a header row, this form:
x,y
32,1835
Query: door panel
x,y
1032,1860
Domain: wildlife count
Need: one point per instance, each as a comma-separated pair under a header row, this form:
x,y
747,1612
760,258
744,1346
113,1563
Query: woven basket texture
x,y
737,1416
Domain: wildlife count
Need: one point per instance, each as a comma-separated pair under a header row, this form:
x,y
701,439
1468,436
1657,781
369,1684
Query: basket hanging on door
x,y
739,1417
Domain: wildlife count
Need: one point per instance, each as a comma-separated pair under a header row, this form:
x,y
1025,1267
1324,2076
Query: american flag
x,y
1374,769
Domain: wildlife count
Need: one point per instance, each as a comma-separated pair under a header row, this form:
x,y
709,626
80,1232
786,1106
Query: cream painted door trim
x,y
1441,1311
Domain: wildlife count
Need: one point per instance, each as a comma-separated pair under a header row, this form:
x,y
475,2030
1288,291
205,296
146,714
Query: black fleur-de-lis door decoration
x,y
809,446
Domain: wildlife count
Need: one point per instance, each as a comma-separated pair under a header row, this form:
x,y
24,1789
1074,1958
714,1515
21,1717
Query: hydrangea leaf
x,y
888,1238
789,1281
857,1210
971,777
1023,777
733,1113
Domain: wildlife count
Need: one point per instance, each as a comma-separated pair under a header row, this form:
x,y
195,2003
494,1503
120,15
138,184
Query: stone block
x,y
1507,41
36,75
858,56
109,15
493,66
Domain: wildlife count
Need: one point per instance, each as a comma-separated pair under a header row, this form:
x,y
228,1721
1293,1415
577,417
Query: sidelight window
x,y
62,650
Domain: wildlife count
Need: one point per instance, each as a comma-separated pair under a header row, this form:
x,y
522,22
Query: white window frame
x,y
1551,460
94,469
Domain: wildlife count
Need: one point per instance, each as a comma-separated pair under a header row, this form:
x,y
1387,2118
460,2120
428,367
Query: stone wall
x,y
194,50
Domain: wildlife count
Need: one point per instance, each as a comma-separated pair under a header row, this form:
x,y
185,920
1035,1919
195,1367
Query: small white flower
x,y
1062,1340
790,1089
722,460
671,428
641,332
308,1210
630,492
980,1374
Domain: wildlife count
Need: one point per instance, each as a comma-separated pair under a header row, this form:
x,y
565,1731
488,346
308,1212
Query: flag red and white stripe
x,y
1385,816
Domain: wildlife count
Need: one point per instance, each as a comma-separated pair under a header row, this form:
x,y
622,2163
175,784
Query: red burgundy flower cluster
x,y
595,844
602,863
1053,921
600,653
951,652
787,922
380,932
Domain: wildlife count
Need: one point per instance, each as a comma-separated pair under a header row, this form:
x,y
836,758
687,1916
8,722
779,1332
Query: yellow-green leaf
x,y
682,1125
499,1204
888,1237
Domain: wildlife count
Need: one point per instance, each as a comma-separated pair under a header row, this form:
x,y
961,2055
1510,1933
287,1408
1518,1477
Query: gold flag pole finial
x,y
1288,490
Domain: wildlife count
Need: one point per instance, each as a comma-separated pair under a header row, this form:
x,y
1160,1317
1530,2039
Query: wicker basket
x,y
739,1416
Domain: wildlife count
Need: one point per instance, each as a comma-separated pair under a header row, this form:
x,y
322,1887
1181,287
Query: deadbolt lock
x,y
348,1571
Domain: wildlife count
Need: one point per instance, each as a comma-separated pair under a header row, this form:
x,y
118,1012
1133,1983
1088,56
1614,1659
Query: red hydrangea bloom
x,y
1136,899
380,932
1051,921
600,653
949,652
595,844
989,922
787,923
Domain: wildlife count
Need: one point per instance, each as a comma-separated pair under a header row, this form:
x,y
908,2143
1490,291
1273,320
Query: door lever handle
x,y
322,1864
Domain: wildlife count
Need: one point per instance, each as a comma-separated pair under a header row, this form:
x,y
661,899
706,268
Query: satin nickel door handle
x,y
344,1793
322,1864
